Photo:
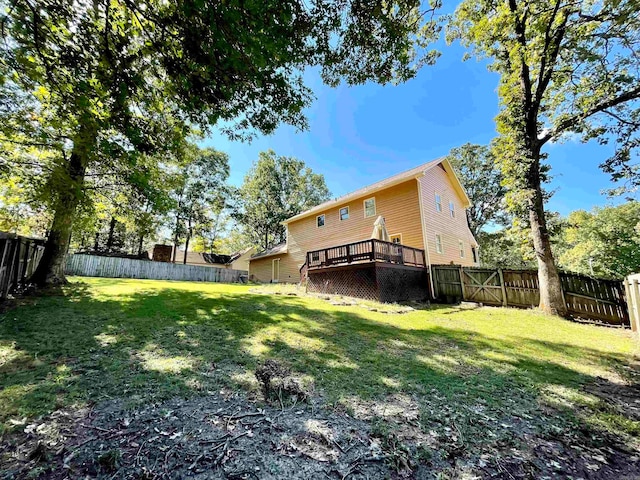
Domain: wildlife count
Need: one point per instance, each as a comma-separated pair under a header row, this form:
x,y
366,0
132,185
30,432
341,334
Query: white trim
x,y
425,241
340,213
437,236
438,199
395,235
324,220
364,207
273,263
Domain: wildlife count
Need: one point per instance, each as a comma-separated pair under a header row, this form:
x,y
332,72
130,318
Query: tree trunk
x,y
186,243
50,270
140,244
112,227
186,249
96,243
551,297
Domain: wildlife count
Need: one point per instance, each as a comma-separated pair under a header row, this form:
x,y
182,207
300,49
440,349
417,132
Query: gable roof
x,y
280,248
401,177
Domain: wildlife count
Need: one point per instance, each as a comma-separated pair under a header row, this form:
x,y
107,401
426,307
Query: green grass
x,y
146,340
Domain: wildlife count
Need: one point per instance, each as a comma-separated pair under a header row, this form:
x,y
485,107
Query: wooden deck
x,y
371,269
366,251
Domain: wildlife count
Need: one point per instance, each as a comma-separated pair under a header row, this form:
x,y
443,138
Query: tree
x,y
200,192
604,242
565,68
275,189
502,249
482,180
103,82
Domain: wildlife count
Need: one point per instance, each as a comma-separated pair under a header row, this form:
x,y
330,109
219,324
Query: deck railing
x,y
366,251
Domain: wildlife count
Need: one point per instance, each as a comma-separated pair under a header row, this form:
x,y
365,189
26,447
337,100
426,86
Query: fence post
x,y
503,288
630,304
462,289
634,296
434,282
10,268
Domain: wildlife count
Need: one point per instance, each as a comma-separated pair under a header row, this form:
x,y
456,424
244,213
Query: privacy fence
x,y
632,289
585,297
20,257
114,267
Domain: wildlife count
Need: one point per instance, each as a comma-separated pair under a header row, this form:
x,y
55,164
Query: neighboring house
x,y
235,261
423,208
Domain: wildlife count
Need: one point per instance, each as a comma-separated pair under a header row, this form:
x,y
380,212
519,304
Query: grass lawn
x,y
477,369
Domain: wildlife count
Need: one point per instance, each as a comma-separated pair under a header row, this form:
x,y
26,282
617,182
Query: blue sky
x,y
359,135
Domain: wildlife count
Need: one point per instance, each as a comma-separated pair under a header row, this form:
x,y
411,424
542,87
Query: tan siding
x,y
242,262
260,269
452,230
398,205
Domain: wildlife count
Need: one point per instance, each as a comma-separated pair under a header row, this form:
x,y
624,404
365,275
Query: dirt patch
x,y
224,435
229,435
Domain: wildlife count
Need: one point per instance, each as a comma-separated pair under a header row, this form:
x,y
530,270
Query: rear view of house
x,y
424,210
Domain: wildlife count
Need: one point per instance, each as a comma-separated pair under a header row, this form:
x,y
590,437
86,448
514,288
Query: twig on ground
x,y
100,429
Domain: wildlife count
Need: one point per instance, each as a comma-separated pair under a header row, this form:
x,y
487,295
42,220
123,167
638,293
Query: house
x,y
236,261
424,208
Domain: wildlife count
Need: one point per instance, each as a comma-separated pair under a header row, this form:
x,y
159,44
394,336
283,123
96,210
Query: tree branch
x,y
632,94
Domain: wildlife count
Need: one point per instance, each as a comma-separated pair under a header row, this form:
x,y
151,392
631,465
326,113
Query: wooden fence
x,y
586,297
19,258
114,267
632,289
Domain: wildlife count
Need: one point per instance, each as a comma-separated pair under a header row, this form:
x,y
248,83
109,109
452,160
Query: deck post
x,y
373,250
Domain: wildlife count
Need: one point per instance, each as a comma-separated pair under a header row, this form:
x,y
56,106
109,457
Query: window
x,y
438,203
452,210
461,246
369,207
344,213
474,253
320,220
438,243
396,238
315,256
275,270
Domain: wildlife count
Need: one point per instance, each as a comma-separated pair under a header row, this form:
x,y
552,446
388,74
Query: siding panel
x,y
398,205
452,230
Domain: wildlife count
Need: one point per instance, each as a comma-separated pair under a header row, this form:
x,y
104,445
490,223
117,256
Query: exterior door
x,y
275,270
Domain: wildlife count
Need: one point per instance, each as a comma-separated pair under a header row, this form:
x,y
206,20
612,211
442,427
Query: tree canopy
x,y
275,189
604,242
96,86
565,68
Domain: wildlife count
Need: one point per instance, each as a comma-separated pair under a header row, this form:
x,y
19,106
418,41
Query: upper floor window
x,y
461,246
438,243
320,220
452,210
344,213
438,203
369,207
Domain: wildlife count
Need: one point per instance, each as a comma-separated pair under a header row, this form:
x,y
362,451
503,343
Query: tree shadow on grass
x,y
147,344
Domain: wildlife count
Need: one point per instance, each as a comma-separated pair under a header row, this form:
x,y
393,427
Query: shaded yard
x,y
444,391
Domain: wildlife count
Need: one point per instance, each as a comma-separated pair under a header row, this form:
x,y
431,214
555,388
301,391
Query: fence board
x,y
19,258
585,297
114,267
